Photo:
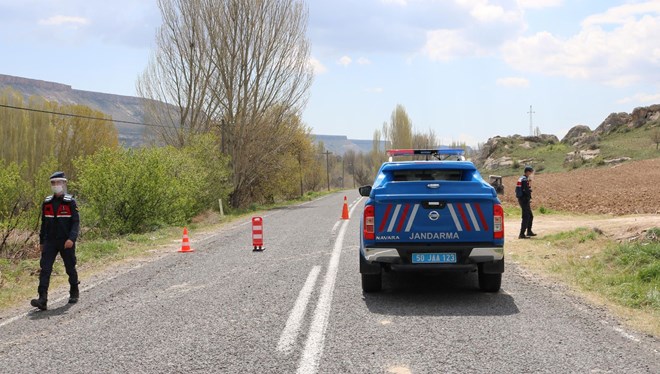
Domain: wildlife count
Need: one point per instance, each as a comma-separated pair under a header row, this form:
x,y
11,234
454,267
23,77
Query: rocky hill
x,y
580,145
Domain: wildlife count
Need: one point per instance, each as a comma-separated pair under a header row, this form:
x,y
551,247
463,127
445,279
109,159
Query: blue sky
x,y
468,69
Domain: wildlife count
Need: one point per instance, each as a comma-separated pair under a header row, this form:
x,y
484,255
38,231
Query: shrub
x,y
133,191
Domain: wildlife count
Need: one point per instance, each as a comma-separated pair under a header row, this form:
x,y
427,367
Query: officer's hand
x,y
68,244
41,247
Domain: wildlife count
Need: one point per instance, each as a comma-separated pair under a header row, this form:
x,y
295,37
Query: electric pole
x,y
327,167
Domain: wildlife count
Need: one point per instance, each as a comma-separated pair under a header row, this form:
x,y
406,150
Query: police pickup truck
x,y
432,215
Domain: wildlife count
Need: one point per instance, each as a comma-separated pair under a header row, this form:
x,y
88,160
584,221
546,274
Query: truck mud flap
x,y
494,267
367,268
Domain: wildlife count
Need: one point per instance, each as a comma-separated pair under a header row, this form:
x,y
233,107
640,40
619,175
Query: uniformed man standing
x,y
524,195
60,225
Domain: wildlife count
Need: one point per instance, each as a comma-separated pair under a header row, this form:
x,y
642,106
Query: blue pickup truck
x,y
438,214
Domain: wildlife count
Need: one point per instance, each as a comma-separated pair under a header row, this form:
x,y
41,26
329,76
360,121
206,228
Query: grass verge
x,y
622,276
19,278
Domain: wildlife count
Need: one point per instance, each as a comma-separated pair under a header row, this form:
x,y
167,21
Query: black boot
x,y
530,233
74,294
41,302
522,236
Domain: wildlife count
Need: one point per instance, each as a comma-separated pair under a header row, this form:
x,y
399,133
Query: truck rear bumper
x,y
393,255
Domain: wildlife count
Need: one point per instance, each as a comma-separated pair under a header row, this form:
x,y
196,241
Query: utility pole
x,y
342,173
302,193
327,167
531,128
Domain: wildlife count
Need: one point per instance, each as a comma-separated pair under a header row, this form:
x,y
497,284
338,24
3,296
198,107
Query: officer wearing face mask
x,y
60,225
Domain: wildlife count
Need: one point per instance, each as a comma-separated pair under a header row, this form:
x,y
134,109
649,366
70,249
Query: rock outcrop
x,y
638,118
490,155
581,137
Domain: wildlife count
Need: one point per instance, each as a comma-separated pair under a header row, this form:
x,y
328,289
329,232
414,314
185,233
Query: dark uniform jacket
x,y
523,189
59,219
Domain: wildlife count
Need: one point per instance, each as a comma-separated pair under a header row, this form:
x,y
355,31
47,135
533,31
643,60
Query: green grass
x,y
636,144
515,211
626,273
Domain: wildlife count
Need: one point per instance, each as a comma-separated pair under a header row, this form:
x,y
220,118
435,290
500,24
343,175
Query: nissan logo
x,y
433,216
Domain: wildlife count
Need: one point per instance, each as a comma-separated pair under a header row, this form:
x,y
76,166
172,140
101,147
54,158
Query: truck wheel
x,y
372,282
489,282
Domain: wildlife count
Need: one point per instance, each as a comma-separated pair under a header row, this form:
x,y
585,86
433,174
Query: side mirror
x,y
365,191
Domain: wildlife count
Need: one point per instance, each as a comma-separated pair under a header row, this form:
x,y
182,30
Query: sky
x,y
466,69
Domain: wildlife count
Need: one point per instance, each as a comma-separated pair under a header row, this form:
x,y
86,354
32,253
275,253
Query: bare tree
x,y
426,140
261,76
655,137
176,83
240,66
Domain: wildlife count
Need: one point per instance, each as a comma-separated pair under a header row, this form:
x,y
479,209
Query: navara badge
x,y
433,216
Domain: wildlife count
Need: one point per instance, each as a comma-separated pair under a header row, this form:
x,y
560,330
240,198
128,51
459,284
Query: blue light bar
x,y
450,151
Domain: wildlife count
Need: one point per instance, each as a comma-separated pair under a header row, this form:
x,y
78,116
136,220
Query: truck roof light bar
x,y
440,153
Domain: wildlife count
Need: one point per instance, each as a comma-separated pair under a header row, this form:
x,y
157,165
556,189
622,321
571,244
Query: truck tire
x,y
372,282
489,282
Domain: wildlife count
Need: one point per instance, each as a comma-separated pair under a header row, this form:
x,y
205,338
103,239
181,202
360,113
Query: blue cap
x,y
528,168
58,176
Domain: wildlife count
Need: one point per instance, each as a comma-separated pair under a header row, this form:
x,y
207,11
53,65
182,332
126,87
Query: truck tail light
x,y
369,232
498,222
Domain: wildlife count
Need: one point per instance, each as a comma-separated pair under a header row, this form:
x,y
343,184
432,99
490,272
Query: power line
x,y
84,117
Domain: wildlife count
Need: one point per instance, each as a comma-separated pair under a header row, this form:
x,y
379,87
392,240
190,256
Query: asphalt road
x,y
298,307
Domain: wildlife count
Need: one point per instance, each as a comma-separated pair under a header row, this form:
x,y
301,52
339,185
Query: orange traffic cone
x,y
185,246
344,212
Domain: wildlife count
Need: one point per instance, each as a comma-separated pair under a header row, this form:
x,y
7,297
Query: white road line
x,y
334,228
313,350
626,335
292,327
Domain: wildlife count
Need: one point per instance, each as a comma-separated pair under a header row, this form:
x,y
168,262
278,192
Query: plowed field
x,y
629,188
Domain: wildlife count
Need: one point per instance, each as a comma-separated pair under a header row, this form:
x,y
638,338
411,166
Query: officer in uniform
x,y
524,195
60,225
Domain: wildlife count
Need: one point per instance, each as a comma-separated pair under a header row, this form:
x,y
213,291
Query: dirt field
x,y
629,188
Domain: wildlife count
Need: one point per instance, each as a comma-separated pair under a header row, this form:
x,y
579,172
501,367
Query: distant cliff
x,y
129,108
122,108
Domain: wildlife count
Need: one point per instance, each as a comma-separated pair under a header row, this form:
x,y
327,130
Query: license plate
x,y
434,258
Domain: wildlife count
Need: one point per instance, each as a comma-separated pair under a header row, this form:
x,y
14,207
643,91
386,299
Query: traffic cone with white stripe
x,y
185,245
344,212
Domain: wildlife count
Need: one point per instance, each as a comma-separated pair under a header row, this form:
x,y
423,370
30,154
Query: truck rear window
x,y
427,175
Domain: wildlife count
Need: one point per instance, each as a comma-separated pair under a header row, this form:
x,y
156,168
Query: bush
x,y
133,191
20,203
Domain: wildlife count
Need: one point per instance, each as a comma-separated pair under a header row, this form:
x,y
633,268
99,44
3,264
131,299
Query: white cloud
x,y
484,11
539,4
641,98
444,45
363,61
317,66
622,14
395,2
345,61
513,82
64,20
616,56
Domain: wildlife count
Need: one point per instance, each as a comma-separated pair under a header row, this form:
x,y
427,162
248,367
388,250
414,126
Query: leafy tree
x,y
78,135
399,130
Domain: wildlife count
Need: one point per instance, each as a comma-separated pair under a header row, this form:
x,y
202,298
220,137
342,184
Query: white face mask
x,y
57,189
